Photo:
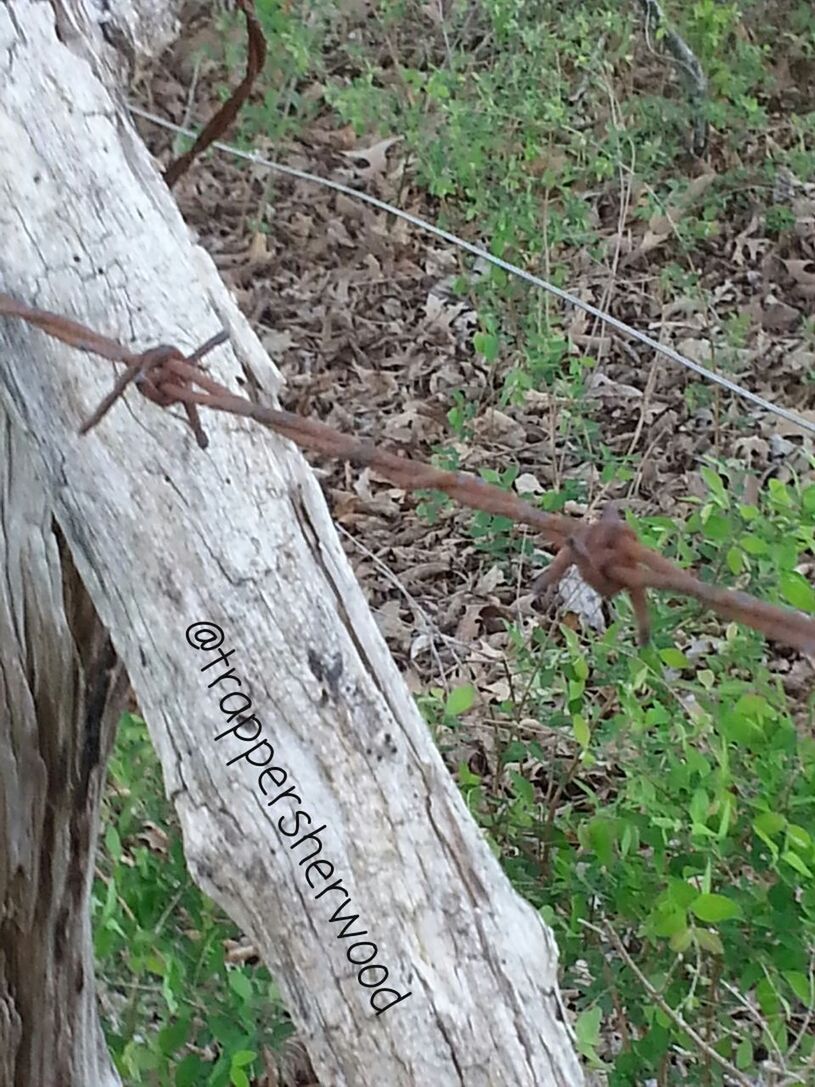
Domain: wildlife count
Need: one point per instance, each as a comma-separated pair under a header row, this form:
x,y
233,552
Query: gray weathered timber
x,y
163,535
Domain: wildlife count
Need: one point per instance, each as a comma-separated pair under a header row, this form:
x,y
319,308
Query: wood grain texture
x,y
164,535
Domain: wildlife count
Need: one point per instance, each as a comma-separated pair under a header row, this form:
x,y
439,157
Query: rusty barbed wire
x,y
139,366
606,552
222,118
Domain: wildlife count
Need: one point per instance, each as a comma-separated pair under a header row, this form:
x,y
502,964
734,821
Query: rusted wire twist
x,y
606,552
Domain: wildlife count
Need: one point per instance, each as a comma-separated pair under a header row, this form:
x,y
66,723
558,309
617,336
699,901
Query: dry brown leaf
x,y
390,622
801,360
496,426
779,316
527,483
376,156
490,580
803,272
663,224
154,838
698,350
786,428
747,448
600,387
499,689
239,953
276,343
469,625
580,599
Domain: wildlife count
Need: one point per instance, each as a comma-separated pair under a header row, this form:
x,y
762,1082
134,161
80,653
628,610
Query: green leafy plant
x,y
681,811
177,1010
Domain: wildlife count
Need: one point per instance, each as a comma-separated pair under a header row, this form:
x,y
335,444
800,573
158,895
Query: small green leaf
x,y
800,985
734,560
769,823
190,1072
713,908
717,527
753,545
797,591
173,984
629,839
466,778
798,838
794,861
587,1027
547,914
155,964
767,997
522,787
779,492
172,1037
669,921
459,700
700,806
710,941
600,835
113,843
714,482
580,727
240,984
744,1054
727,812
674,658
680,893
486,344
681,940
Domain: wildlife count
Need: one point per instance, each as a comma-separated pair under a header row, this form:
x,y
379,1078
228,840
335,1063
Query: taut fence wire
x,y
606,552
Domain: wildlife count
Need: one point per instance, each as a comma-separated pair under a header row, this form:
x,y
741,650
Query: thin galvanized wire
x,y
506,266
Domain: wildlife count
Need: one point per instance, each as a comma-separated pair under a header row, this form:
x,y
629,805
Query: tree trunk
x,y
60,689
306,783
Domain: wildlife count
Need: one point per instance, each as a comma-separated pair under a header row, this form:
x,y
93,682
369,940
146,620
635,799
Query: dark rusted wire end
x,y
121,383
207,346
193,418
217,124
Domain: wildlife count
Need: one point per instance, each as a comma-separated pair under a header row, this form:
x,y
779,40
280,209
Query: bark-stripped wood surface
x,y
164,535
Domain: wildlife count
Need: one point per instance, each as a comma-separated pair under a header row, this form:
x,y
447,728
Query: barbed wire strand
x,y
512,269
607,553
